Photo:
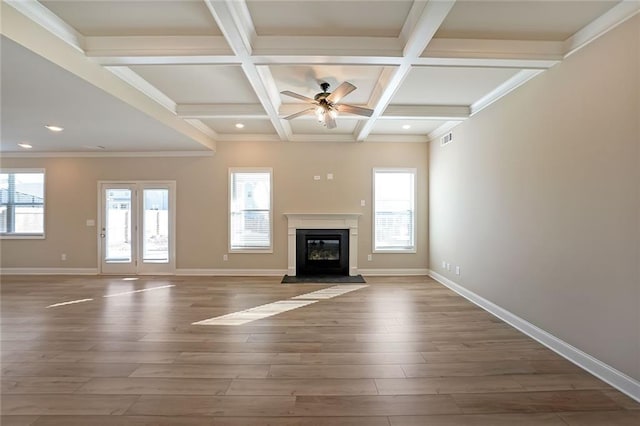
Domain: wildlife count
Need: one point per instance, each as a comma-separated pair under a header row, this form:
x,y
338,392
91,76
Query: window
x,y
250,210
394,210
22,203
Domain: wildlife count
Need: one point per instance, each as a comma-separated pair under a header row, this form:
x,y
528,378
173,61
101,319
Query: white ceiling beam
x,y
492,53
153,45
418,37
165,60
31,35
534,64
48,20
144,86
187,50
494,49
232,21
327,46
618,14
513,83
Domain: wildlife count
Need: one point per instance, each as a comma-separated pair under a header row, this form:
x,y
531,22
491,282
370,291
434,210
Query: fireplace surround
x,y
344,222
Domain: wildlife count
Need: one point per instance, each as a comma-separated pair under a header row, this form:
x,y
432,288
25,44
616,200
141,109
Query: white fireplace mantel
x,y
323,221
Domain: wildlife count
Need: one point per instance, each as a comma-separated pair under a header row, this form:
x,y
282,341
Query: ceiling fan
x,y
326,104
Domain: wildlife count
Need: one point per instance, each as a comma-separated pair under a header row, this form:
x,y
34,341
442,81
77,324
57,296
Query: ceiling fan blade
x,y
299,114
341,91
352,109
297,96
329,121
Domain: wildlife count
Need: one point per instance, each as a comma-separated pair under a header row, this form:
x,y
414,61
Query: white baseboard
x,y
391,272
232,272
605,372
49,271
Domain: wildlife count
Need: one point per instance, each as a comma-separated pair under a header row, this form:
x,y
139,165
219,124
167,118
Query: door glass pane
x,y
118,226
155,244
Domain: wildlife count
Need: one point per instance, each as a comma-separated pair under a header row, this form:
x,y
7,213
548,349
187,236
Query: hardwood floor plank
x,y
220,371
375,405
327,387
489,355
237,358
549,382
488,368
546,419
206,421
68,369
301,421
529,402
371,358
121,421
54,404
336,371
18,385
425,386
600,418
155,386
17,420
177,405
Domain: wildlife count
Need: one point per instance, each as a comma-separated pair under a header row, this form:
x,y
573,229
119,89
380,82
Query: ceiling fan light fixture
x,y
326,105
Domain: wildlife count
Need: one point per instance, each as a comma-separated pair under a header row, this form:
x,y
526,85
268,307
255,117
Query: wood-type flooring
x,y
402,351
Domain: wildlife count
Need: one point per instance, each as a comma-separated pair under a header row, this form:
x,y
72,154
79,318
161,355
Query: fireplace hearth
x,y
322,252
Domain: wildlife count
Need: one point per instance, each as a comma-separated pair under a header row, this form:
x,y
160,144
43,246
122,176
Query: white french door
x,y
137,227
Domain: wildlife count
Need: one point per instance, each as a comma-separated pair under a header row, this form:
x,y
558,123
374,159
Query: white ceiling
x,y
157,75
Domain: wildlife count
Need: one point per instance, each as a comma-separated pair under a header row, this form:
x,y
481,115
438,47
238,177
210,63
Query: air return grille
x,y
447,138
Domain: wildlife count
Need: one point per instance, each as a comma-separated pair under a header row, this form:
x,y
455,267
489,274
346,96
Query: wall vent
x,y
447,138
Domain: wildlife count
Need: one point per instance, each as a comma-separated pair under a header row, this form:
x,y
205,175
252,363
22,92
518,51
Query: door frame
x,y
137,199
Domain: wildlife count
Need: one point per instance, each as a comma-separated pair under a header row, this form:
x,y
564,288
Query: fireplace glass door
x,y
322,252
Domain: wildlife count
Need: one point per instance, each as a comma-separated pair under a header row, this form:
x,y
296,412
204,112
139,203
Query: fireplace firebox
x,y
322,252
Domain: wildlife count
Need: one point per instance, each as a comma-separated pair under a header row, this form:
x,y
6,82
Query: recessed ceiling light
x,y
25,145
239,126
406,126
54,128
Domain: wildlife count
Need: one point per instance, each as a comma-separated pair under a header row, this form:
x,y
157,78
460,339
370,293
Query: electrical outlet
x,y
63,256
448,266
444,265
316,177
225,257
457,270
363,203
369,257
329,176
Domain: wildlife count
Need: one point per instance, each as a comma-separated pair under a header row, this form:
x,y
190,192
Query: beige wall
x,y
538,200
202,206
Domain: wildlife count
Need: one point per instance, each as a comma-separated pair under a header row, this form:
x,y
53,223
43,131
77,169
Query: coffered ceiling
x,y
156,75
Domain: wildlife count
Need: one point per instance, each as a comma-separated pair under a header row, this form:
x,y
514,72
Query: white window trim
x,y
230,192
414,172
44,206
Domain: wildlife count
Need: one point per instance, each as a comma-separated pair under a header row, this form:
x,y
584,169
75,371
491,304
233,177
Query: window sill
x,y
408,251
21,237
249,251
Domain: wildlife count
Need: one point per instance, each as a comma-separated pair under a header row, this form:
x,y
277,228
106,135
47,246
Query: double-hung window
x,y
22,203
250,210
394,210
